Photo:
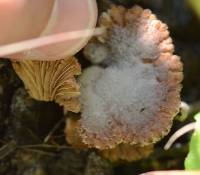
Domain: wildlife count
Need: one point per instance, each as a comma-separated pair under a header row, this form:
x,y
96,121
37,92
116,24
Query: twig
x,y
45,146
40,152
46,139
179,133
7,149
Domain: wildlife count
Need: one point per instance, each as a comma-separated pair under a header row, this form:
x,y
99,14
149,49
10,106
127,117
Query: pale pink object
x,y
23,19
172,172
65,16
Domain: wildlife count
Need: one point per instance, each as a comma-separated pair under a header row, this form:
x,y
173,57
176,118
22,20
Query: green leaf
x,y
195,4
192,161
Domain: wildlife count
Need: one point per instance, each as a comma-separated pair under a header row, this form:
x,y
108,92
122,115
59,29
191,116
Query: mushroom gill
x,y
122,152
133,93
126,152
51,81
72,131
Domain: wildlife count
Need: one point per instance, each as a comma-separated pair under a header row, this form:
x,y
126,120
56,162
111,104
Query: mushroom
x,y
122,152
51,80
72,131
126,152
133,93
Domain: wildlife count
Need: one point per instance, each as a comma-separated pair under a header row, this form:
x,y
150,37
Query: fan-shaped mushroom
x,y
51,80
126,152
122,152
134,96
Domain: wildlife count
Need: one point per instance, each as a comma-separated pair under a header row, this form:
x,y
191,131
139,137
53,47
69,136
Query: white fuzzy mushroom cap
x,y
136,96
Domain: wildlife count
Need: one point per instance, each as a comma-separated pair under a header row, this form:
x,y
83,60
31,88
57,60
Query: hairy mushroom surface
x,y
132,96
51,81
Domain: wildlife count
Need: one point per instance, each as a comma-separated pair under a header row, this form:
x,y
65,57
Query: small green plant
x,y
192,161
195,5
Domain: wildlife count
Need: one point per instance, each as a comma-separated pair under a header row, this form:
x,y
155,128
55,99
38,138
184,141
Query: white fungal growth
x,y
114,91
128,101
133,45
96,52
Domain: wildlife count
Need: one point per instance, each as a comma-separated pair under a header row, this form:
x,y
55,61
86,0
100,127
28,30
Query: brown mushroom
x,y
122,152
134,96
126,152
72,131
51,81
